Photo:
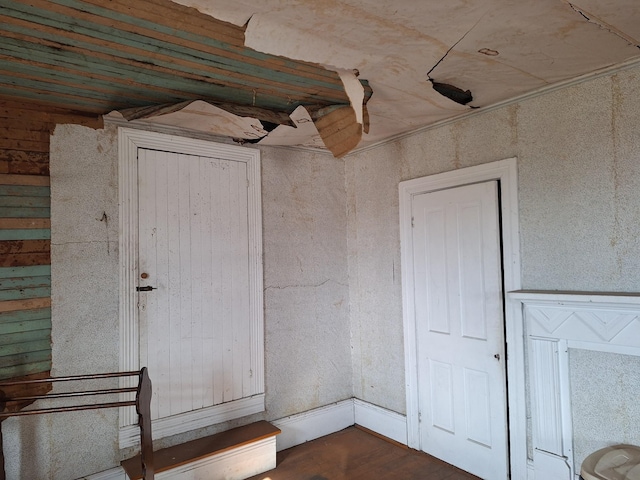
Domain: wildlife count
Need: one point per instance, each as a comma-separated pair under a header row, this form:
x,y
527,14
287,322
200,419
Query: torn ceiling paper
x,y
335,127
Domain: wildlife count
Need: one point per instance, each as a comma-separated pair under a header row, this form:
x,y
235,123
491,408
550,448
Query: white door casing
x,y
193,207
459,322
505,172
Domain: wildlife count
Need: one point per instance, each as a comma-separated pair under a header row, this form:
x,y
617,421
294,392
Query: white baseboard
x,y
313,424
380,420
306,426
116,473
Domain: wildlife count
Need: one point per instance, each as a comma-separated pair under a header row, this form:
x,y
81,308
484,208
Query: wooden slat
x,y
25,271
45,115
25,315
25,282
25,223
25,212
25,145
34,303
25,246
20,363
25,259
25,190
24,201
25,234
24,293
14,327
25,180
25,348
23,162
30,341
24,134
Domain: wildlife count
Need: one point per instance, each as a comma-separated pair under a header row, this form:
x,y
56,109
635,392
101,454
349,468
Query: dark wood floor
x,y
354,454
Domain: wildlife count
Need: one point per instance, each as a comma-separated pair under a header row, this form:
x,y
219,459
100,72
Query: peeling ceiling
x,y
350,72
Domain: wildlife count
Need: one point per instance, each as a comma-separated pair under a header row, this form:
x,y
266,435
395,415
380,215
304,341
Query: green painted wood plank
x,y
25,293
28,212
28,271
22,369
285,92
25,191
173,81
26,358
152,45
25,234
25,315
247,52
25,282
120,70
33,337
43,86
22,201
141,92
46,97
20,348
15,327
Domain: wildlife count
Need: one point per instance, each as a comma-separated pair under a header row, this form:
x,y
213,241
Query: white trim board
x,y
555,322
380,420
316,423
129,142
505,171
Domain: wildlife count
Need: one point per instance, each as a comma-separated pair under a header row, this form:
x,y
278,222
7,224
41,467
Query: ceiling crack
x,y
602,24
454,46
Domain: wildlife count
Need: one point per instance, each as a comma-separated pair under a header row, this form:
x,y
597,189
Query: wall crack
x,y
312,285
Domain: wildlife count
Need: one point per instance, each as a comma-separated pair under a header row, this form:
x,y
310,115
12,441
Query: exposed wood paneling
x,y
25,231
97,56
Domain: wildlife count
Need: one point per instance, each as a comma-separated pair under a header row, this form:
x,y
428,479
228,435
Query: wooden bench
x,y
142,402
235,454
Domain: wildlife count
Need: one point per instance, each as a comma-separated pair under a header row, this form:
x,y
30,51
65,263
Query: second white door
x,y
460,328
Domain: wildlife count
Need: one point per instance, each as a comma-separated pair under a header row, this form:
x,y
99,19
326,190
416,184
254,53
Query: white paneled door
x,y
195,330
460,328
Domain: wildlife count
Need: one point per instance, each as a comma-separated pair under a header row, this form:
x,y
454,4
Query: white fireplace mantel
x,y
553,322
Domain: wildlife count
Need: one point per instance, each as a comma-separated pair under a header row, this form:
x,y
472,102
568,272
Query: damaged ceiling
x,y
336,73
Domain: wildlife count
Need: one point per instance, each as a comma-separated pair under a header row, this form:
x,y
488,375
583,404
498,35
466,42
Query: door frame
x,y
129,141
505,172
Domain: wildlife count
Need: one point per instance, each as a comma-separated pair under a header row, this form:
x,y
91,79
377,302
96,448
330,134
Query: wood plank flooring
x,y
355,454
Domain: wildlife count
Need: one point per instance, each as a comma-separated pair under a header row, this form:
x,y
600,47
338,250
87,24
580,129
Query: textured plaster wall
x,y
613,416
578,153
308,360
305,281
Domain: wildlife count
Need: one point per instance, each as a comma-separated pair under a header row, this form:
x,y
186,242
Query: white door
x,y
460,328
195,327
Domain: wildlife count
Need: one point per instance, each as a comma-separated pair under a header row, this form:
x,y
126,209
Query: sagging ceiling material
x,y
409,49
158,60
303,73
